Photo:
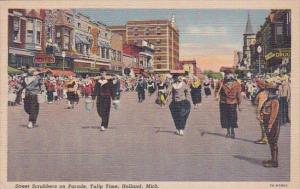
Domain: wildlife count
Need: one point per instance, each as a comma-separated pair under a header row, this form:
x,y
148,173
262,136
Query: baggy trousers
x,y
273,136
31,106
283,110
103,109
180,111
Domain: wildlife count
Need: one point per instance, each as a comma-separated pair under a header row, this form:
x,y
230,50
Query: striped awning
x,y
81,39
104,44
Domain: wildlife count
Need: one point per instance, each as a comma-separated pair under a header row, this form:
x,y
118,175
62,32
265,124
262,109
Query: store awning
x,y
12,70
60,73
104,44
86,70
81,39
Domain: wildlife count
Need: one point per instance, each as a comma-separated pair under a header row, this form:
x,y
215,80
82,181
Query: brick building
x,y
59,32
274,37
116,53
163,34
25,36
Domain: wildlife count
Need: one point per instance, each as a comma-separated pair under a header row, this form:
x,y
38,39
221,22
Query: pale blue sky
x,y
203,32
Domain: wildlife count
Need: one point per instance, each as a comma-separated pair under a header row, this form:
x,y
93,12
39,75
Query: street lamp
x,y
63,54
259,49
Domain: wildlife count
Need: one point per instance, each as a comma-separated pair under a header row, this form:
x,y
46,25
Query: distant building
x,y
249,39
189,67
143,52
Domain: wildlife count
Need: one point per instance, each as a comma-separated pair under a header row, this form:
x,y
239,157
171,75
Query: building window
x,y
29,31
38,32
159,58
107,53
69,19
158,49
66,39
147,31
158,32
78,25
158,41
49,32
89,29
119,57
279,30
102,52
16,29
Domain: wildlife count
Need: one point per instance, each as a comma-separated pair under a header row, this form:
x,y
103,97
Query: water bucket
x,y
89,104
116,104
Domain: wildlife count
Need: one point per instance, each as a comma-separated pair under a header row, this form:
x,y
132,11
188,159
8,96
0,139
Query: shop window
x,y
16,29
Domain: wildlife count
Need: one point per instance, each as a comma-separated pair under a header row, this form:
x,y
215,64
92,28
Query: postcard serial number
x,y
278,185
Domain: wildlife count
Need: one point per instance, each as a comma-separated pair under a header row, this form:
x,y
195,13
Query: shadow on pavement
x,y
223,135
163,131
250,160
25,126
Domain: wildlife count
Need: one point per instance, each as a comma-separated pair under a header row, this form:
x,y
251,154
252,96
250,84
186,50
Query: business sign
x,y
279,53
44,59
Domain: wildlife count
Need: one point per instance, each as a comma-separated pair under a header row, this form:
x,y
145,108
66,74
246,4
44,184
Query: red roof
x,y
62,73
131,50
34,14
187,62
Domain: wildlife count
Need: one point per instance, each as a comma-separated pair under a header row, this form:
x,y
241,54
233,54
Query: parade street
x,y
139,145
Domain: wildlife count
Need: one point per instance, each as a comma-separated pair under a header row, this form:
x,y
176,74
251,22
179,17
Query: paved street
x,y
140,144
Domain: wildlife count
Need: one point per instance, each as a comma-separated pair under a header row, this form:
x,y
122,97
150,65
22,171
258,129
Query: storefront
x,y
18,58
279,59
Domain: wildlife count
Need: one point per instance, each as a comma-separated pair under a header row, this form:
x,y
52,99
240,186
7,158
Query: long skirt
x,y
196,96
207,91
180,111
103,109
31,107
71,96
151,90
228,115
283,111
50,96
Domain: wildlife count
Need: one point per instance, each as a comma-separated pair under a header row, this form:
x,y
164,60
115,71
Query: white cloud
x,y
205,31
